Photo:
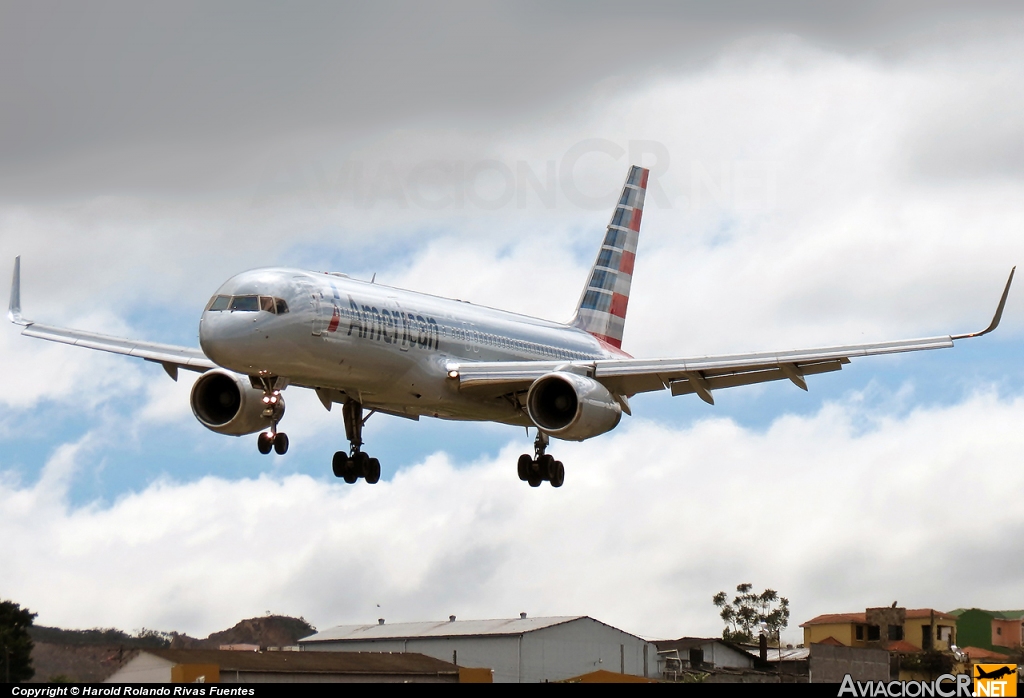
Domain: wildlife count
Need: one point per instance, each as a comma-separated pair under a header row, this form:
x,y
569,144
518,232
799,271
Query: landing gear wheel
x,y
281,443
372,472
361,461
265,442
535,480
557,474
350,474
545,465
524,466
339,464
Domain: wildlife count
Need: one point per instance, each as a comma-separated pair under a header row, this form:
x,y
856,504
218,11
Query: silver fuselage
x,y
383,346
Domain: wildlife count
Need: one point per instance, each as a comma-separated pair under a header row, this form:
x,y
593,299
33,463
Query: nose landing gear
x,y
272,441
358,464
273,409
542,466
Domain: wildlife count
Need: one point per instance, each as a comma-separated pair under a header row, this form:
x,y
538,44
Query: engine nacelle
x,y
572,407
228,404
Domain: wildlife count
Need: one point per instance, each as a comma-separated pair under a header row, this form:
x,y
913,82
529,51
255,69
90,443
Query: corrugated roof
x,y
311,662
456,628
786,654
685,643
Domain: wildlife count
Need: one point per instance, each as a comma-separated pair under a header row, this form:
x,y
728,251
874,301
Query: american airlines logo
x,y
390,326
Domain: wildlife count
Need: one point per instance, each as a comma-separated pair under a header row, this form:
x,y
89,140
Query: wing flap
x,y
685,386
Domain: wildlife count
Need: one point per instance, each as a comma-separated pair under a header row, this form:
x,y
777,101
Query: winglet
x,y
995,318
14,310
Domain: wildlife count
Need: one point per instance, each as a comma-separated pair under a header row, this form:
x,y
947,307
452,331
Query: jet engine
x,y
572,407
227,404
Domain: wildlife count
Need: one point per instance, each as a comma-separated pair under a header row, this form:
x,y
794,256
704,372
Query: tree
x,y
15,643
748,610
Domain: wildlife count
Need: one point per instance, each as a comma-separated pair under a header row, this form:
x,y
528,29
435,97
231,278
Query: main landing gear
x,y
273,410
358,464
542,466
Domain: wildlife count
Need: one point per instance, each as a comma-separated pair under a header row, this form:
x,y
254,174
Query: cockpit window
x,y
219,303
245,303
269,304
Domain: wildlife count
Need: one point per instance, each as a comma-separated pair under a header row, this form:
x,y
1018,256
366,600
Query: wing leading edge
x,y
170,356
701,375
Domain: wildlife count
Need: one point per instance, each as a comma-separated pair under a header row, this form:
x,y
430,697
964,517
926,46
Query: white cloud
x,y
651,522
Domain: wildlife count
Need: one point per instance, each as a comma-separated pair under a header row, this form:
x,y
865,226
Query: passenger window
x,y
219,303
245,303
267,304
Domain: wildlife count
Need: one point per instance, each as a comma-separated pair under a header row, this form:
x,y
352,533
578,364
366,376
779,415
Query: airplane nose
x,y
228,338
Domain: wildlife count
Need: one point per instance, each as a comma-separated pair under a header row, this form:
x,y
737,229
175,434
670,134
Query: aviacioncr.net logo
x,y
995,680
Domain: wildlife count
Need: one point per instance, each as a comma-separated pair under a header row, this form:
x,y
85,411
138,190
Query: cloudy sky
x,y
822,174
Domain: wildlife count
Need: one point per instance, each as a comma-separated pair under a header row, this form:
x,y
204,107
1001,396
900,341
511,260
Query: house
x,y
891,628
999,631
696,653
523,649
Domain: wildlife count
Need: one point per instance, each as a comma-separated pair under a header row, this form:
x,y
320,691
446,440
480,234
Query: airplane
x,y
1004,670
374,348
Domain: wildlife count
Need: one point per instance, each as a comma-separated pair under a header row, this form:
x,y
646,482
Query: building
x,y
697,653
989,630
233,666
518,650
891,628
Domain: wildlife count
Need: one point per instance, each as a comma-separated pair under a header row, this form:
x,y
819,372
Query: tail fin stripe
x,y
634,223
626,263
618,307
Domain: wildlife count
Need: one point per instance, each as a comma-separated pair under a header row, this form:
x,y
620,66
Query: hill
x,y
92,655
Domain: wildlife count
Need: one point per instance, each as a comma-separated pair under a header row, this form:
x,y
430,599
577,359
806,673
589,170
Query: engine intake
x,y
227,404
572,407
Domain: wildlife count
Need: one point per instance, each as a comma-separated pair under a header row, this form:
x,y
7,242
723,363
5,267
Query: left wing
x,y
171,357
698,375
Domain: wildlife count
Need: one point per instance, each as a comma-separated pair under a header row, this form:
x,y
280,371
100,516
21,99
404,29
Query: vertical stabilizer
x,y
602,307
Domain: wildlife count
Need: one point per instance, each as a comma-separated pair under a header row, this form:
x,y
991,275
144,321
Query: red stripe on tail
x,y
634,222
626,265
619,303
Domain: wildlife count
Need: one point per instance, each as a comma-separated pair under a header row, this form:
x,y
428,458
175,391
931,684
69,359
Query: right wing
x,y
698,375
170,356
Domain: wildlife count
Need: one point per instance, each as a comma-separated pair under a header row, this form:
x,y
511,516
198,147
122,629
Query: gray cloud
x,y
114,97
